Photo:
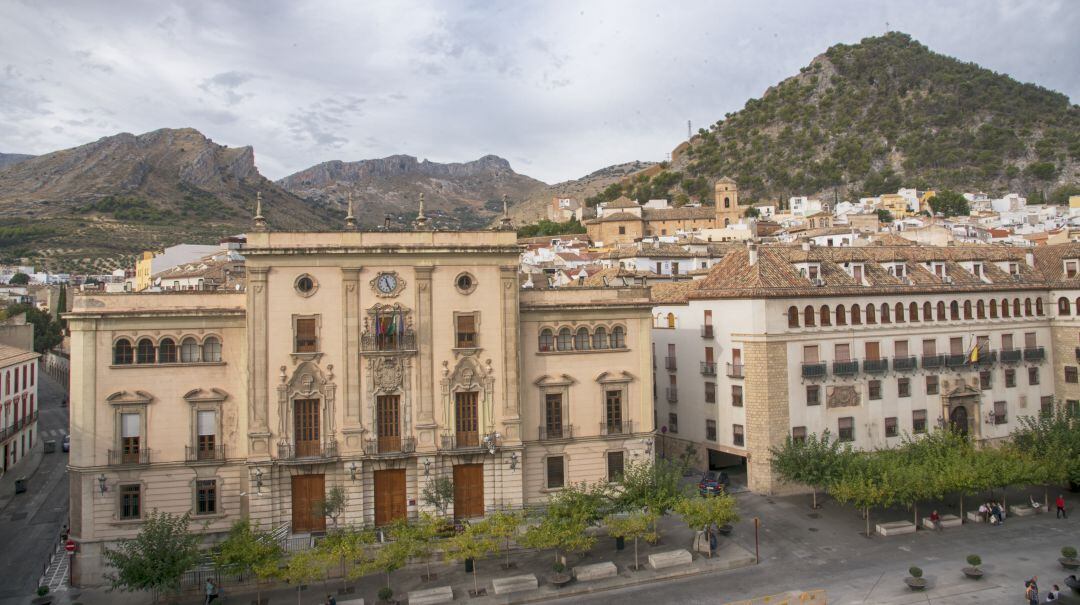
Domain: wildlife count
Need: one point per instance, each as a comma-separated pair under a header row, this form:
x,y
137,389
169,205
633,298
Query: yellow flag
x,y
974,357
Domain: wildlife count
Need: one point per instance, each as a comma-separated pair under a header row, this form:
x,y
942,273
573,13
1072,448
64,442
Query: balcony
x,y
673,394
203,454
875,366
845,367
706,331
18,425
735,370
904,364
814,369
1034,353
548,433
932,362
389,446
122,458
669,363
1077,353
1011,355
986,357
616,428
404,342
462,440
307,450
956,360
708,368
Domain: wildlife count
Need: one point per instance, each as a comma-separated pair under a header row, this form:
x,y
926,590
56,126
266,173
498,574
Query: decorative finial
x,y
421,221
350,220
260,220
506,224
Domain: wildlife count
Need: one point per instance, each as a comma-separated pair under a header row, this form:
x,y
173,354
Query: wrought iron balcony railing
x,y
616,428
875,366
304,450
669,363
708,368
124,458
845,367
734,370
814,369
1034,353
706,331
381,446
904,364
1011,355
564,431
932,362
204,454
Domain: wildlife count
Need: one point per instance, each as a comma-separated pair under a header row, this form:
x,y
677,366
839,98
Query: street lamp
x,y
352,471
513,460
101,483
257,475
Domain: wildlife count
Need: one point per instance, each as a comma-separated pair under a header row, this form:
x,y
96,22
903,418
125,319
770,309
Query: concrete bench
x,y
671,558
974,517
895,528
1021,510
352,602
514,584
946,521
596,571
431,596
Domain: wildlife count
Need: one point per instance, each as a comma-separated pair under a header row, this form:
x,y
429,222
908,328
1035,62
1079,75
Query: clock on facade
x,y
387,284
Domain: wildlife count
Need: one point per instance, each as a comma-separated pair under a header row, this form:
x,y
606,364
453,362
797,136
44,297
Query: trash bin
x,y
20,485
50,446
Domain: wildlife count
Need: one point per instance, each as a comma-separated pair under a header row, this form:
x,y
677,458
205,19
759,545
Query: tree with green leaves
x,y
333,504
473,544
438,494
504,526
703,513
568,516
349,548
655,485
884,215
248,549
422,537
1051,441
47,332
156,558
949,203
19,279
394,553
863,484
633,525
301,568
816,461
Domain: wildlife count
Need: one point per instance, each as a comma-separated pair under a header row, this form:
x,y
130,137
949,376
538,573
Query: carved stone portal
x,y
841,396
469,375
308,381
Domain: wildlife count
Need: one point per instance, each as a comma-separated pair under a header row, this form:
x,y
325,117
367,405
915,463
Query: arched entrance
x,y
958,420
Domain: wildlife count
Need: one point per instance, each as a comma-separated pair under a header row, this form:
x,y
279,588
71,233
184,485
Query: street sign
x,y
69,546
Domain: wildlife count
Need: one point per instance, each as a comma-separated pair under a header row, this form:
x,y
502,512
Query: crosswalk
x,y
52,433
56,574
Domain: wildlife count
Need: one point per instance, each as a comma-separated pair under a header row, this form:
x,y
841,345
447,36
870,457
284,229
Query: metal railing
x,y
306,449
461,440
122,458
391,343
816,369
708,368
18,425
1011,355
706,331
616,428
669,363
956,360
904,364
376,446
932,362
1034,353
846,367
734,370
672,394
875,366
197,454
564,431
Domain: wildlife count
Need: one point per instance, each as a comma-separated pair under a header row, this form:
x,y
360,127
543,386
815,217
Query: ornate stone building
x,y
373,362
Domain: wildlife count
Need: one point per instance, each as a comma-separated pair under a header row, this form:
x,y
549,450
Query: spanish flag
x,y
974,356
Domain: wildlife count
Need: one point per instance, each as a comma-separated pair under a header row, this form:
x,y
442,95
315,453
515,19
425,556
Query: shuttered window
x,y
466,331
306,335
555,475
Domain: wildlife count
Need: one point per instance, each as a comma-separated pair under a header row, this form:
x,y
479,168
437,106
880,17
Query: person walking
x,y
211,590
1060,502
1031,593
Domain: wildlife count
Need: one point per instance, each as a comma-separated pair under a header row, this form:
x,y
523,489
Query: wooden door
x,y
468,490
306,423
388,423
308,494
467,419
389,496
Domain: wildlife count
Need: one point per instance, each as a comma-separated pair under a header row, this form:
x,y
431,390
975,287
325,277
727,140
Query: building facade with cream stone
x,y
868,343
372,362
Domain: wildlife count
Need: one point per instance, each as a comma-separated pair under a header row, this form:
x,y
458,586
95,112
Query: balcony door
x,y
467,418
306,423
553,415
388,422
613,411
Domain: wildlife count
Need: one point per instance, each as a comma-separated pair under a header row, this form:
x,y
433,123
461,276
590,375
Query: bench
x,y
895,528
671,558
514,584
1021,510
946,521
431,596
350,602
974,517
596,571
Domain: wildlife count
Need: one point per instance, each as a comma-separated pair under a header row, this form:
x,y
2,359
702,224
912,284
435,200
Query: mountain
x,y
7,159
456,195
92,206
885,113
535,208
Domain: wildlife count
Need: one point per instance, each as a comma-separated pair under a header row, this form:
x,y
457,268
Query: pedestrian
x,y
1053,594
1060,502
713,530
211,590
984,513
1031,593
330,600
935,520
995,510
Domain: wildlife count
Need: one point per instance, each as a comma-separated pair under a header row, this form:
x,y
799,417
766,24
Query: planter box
x,y
596,571
946,521
514,584
1021,510
671,558
431,596
895,528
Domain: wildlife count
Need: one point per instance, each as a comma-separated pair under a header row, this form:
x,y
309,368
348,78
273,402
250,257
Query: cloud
x,y
226,84
322,122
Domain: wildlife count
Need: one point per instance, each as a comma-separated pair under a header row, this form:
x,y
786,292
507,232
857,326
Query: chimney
x,y
806,246
1029,257
752,248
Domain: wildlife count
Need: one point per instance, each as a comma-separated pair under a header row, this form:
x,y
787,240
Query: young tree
x,y
863,484
333,504
654,485
634,525
422,537
1052,442
949,203
302,567
439,494
156,558
472,543
504,526
19,279
815,461
566,520
347,547
248,549
395,552
700,513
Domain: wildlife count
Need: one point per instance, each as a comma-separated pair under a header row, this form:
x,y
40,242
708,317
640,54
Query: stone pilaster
x,y
258,385
511,412
427,429
350,277
1064,342
767,417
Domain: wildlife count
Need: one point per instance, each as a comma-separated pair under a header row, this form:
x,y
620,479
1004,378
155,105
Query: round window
x,y
465,283
305,285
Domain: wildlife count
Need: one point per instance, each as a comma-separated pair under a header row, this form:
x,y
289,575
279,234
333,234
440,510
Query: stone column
x,y
767,415
425,368
350,277
511,412
258,385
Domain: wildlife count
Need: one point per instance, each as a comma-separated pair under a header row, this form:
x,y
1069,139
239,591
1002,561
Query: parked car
x,y
65,445
713,483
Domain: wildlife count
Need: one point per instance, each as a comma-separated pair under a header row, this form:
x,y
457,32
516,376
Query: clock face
x,y
386,283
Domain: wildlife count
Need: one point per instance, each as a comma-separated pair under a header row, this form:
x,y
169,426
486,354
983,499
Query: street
x,y
30,522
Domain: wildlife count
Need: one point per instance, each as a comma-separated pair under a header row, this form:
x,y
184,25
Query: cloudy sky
x,y
558,88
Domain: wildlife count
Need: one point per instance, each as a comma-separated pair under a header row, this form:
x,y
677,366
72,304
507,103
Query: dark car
x,y
713,483
65,445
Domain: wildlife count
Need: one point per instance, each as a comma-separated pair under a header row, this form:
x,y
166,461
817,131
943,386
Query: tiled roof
x,y
679,214
1051,262
672,292
12,355
622,202
618,216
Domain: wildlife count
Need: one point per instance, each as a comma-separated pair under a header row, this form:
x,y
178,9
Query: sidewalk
x,y
26,467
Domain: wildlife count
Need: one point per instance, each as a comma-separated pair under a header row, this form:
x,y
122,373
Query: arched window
x,y
1078,306
1027,307
871,315
1064,307
941,311
599,338
808,317
167,351
980,309
144,351
885,319
189,350
954,310
841,315
927,311
993,308
123,354
1039,307
898,311
793,317
856,315
618,338
566,340
547,340
671,321
967,309
211,349
1016,307
1005,307
826,316
913,312
581,339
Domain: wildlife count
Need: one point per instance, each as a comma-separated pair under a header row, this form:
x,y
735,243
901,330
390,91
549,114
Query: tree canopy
x,y
949,203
